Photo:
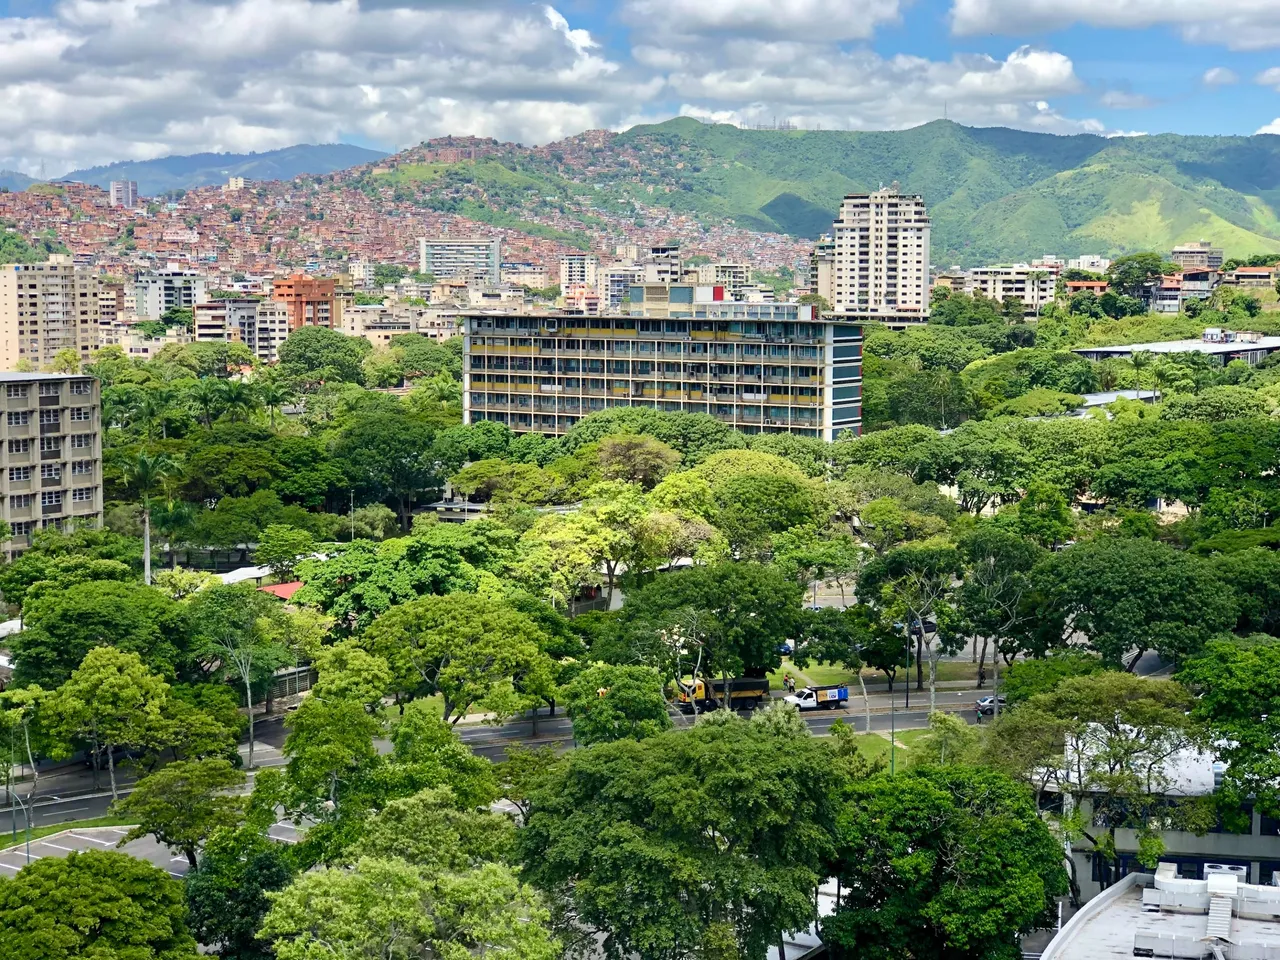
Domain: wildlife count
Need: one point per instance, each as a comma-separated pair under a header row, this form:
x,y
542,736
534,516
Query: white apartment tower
x,y
475,259
880,263
581,268
163,290
46,308
124,193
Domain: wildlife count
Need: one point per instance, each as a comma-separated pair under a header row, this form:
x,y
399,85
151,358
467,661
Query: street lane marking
x,y
58,813
105,843
55,846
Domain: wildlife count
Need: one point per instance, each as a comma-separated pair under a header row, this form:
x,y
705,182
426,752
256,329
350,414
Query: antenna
x,y
944,109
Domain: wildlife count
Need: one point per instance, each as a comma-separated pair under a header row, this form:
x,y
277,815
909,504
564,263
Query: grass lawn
x,y
909,737
873,746
39,832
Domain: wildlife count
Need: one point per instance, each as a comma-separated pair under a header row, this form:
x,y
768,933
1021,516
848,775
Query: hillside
x,y
12,180
995,194
206,169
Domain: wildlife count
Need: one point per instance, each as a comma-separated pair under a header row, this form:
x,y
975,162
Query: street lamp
x,y
14,803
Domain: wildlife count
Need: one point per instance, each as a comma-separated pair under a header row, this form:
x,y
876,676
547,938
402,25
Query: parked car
x,y
986,707
785,648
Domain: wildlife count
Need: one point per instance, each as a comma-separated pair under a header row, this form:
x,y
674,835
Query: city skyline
x,y
97,81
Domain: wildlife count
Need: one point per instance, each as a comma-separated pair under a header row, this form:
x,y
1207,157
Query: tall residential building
x,y
45,308
124,193
734,277
235,184
579,268
308,301
444,257
1201,254
768,367
51,450
162,290
822,268
261,325
881,258
615,281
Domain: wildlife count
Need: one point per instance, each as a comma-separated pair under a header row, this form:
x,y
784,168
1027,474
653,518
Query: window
x,y
82,468
51,498
19,473
48,417
16,391
20,501
19,446
82,441
50,444
19,418
50,471
21,528
82,387
82,495
81,414
50,389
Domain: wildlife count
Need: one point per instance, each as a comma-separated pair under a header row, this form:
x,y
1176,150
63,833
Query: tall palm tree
x,y
144,474
239,401
206,395
273,395
1141,360
150,408
175,519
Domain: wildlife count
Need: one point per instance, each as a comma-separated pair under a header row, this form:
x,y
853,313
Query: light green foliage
x,y
93,904
636,459
614,703
281,547
348,672
183,804
950,741
431,831
1025,679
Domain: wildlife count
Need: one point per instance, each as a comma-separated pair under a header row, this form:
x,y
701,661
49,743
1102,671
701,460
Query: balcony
x,y
51,481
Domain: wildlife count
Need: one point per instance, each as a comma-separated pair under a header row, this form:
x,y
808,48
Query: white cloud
x,y
832,20
1272,127
1236,24
1269,78
1127,133
1124,100
1219,77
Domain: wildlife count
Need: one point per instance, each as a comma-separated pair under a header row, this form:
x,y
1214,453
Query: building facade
x,y
734,277
1033,286
581,268
308,301
771,368
50,454
444,257
46,308
662,264
163,290
124,193
880,261
1201,254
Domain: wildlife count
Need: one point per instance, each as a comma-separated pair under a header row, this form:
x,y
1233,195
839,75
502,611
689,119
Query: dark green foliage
x,y
695,435
1026,678
226,894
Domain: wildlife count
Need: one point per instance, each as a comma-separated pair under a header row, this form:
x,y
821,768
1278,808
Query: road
x,y
67,795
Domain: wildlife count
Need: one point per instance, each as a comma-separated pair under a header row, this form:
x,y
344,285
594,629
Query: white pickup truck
x,y
820,698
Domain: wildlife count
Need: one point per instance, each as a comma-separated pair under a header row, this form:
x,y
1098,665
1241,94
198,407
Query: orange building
x,y
310,302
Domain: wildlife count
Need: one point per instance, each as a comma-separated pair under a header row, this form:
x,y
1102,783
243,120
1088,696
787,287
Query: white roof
x,y
1188,346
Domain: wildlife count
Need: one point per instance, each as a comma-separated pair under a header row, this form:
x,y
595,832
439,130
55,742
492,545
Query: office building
x,y
615,281
581,268
45,308
163,290
1200,254
881,257
309,301
773,368
50,454
473,259
124,193
734,277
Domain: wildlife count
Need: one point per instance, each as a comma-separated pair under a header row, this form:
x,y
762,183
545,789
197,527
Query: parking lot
x,y
108,838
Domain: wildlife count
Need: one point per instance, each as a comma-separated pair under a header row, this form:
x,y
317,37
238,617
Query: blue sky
x,y
91,81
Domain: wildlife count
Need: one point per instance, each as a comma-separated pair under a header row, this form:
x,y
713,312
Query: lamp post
x,y
14,803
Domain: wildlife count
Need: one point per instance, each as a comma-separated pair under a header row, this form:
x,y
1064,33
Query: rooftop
x,y
1198,345
11,377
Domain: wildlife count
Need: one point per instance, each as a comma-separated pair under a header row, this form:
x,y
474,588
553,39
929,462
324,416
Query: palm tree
x,y
273,395
1141,360
207,397
239,400
175,519
143,474
151,407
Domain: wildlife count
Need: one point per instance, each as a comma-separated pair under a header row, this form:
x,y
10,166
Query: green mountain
x,y
14,181
994,194
205,169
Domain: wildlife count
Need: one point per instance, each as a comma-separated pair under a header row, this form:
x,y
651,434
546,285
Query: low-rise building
x,y
50,454
1222,345
1093,262
1034,286
1252,276
734,277
1201,254
583,300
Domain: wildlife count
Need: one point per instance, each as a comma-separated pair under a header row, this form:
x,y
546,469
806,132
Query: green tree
x,y
471,650
614,703
1027,678
227,892
387,459
636,459
183,804
111,701
434,833
281,547
316,354
723,830
990,601
144,474
273,395
942,862
389,909
93,904
348,672
1130,275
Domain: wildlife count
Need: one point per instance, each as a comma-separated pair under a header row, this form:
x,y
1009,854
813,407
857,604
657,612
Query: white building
x,y
1031,284
615,280
163,290
45,308
124,193
261,325
734,277
662,264
880,263
477,258
579,268
526,275
1093,262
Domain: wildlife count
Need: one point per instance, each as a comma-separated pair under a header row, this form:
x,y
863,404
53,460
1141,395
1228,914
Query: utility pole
x,y
353,515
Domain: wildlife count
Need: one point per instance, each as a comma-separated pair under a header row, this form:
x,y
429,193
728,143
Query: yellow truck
x,y
745,693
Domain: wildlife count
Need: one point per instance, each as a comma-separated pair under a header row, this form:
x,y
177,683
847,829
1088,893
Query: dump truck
x,y
834,697
745,693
